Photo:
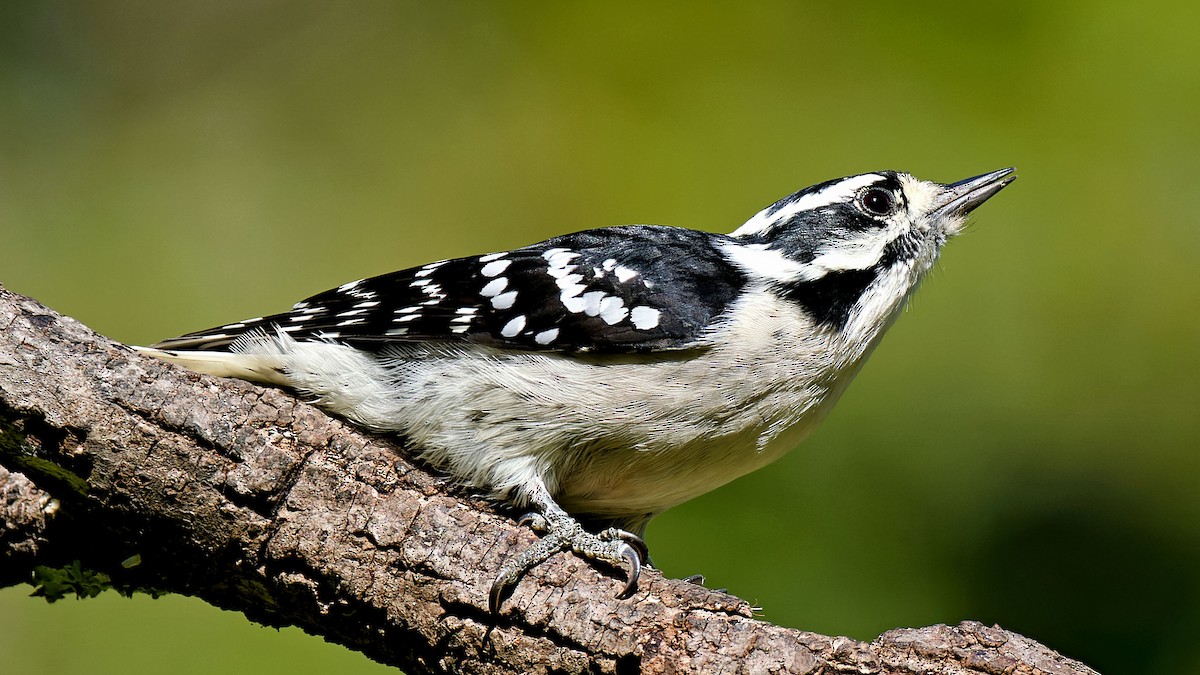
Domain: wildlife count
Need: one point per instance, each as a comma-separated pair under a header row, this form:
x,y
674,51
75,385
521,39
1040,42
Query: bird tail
x,y
265,368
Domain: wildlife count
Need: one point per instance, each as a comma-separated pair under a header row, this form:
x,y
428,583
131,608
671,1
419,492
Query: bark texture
x,y
254,501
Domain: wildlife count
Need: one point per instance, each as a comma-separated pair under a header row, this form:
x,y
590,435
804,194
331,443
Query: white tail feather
x,y
254,367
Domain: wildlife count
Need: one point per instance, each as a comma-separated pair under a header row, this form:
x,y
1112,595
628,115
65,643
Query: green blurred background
x,y
1020,450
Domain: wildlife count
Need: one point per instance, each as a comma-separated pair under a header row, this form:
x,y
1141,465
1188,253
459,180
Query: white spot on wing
x,y
546,337
591,301
504,300
560,272
624,273
571,289
560,257
495,268
612,310
568,280
559,267
513,327
492,256
570,297
494,287
644,318
426,270
572,303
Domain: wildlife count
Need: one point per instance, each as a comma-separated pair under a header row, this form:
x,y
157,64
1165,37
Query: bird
x,y
600,378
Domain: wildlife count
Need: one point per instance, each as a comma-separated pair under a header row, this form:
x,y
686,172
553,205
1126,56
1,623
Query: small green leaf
x,y
56,583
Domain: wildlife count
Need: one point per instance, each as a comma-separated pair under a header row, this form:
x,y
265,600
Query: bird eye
x,y
878,201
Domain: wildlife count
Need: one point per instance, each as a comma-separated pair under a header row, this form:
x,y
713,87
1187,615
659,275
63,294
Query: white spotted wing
x,y
620,289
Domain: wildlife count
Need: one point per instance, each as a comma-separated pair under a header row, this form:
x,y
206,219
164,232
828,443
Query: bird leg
x,y
561,532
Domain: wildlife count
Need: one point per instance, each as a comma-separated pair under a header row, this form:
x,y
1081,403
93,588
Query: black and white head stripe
x,y
830,193
837,226
825,246
633,288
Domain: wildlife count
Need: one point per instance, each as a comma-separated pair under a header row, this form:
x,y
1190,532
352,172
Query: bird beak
x,y
959,199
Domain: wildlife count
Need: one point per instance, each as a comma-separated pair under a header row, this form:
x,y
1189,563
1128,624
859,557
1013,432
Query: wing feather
x,y
623,289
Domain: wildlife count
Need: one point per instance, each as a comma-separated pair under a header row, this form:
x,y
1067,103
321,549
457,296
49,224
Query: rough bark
x,y
254,501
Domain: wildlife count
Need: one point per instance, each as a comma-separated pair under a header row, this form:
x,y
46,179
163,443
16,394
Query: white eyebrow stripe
x,y
841,191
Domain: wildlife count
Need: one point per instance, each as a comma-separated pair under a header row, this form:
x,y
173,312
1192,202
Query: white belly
x,y
610,435
622,436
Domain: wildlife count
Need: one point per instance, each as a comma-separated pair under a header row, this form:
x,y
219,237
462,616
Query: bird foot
x,y
561,532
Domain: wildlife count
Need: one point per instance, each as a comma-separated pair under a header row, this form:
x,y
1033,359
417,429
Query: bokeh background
x,y
1022,449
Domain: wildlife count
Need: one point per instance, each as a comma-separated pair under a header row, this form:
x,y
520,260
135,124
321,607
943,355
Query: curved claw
x,y
496,595
640,544
635,570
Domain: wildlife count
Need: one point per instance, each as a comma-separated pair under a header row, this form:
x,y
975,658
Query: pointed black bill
x,y
959,199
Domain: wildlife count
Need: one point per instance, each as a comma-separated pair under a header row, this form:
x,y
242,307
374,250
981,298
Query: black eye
x,y
878,201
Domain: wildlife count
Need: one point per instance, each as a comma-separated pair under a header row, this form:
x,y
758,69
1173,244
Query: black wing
x,y
619,289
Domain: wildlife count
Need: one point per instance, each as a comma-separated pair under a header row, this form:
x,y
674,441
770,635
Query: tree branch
x,y
254,501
